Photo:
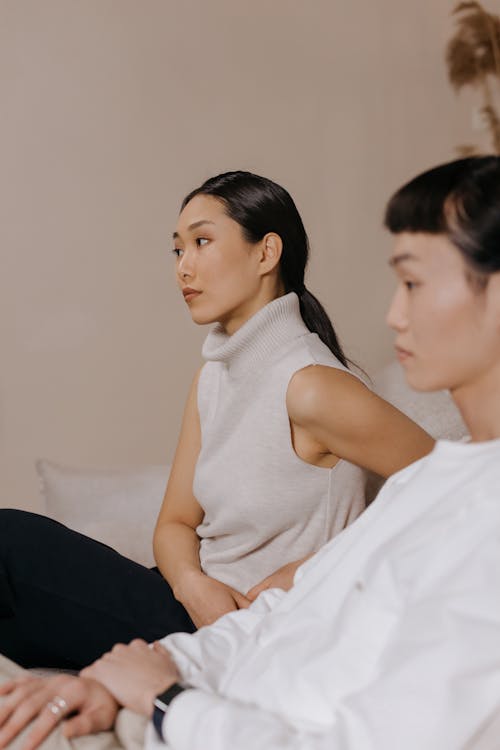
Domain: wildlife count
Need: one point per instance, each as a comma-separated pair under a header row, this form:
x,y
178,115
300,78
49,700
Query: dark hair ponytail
x,y
314,316
260,206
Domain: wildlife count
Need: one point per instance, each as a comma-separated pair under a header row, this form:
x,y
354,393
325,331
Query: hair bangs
x,y
420,205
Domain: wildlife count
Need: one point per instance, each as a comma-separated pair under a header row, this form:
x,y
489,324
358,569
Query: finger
x,y
10,685
159,648
35,701
20,716
164,655
256,590
40,730
242,601
118,648
77,726
47,719
22,690
91,719
138,644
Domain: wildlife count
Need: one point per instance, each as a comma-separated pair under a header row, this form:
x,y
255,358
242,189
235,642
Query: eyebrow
x,y
401,258
194,225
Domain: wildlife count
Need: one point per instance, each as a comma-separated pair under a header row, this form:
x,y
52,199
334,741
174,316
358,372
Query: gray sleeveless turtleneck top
x,y
264,506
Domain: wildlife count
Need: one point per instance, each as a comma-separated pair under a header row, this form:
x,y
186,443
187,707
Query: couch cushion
x,y
117,507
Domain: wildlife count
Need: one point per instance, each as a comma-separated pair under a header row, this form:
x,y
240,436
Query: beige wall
x,y
111,111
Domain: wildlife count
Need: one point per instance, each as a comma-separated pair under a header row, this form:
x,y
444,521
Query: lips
x,y
189,293
402,354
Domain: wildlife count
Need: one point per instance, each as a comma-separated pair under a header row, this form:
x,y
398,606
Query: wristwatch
x,y
161,703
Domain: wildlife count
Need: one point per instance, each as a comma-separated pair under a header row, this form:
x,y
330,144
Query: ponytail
x,y
314,316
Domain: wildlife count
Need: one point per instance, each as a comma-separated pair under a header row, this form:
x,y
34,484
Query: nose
x,y
396,317
185,265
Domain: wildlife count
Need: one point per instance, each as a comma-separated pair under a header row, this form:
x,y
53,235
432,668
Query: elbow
x,y
159,539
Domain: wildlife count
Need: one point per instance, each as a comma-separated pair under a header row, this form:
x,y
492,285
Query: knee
x,y
21,534
16,525
10,541
10,518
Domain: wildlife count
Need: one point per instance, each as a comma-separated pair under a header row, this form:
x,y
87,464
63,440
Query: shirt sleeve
x,y
437,684
203,657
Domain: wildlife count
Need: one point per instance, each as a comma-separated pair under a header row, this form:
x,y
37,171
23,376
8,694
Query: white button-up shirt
x,y
389,639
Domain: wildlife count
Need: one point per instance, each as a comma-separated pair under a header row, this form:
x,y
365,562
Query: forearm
x,y
176,550
204,598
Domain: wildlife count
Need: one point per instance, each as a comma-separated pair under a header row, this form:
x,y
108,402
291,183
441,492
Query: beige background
x,y
111,111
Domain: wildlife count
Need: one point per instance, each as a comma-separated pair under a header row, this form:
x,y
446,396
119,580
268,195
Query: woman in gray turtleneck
x,y
267,467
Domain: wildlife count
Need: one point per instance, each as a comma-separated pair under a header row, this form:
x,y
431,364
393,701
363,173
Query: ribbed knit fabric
x,y
264,506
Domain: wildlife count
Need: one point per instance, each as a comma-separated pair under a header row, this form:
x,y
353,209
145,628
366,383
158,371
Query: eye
x,y
200,241
410,285
177,251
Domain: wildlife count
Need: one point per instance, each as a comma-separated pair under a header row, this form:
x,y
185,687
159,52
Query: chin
x,y
203,320
425,381
203,317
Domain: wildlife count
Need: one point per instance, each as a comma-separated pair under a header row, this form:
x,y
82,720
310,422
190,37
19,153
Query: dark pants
x,y
65,599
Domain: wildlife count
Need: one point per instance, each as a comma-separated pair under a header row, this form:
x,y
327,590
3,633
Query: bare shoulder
x,y
342,414
318,387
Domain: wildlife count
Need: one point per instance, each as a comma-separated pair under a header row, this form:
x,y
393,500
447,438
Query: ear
x,y
271,249
493,291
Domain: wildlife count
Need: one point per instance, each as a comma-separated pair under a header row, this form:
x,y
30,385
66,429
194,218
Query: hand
x,y
206,599
280,579
26,700
135,674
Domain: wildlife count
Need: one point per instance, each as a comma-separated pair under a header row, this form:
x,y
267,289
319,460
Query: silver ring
x,y
57,705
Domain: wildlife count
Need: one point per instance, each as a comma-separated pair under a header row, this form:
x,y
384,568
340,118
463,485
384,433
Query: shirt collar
x,y
278,323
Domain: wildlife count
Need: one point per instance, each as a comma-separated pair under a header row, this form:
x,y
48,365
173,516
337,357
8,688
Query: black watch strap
x,y
161,704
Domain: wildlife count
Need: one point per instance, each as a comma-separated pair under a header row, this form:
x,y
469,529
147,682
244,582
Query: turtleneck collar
x,y
261,337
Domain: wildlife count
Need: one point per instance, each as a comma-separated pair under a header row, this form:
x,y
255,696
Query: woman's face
x,y
217,269
448,328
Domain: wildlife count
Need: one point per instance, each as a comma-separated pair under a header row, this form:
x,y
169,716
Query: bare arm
x,y
176,543
351,422
342,418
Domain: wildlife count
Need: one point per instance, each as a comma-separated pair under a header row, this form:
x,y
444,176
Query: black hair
x,y
260,206
460,199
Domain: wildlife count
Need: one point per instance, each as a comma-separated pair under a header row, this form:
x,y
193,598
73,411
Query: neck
x,y
237,318
479,405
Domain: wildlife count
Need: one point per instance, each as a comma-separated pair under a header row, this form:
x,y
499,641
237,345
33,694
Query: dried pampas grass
x,y
473,58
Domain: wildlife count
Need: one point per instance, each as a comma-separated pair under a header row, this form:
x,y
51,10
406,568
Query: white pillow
x,y
117,507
